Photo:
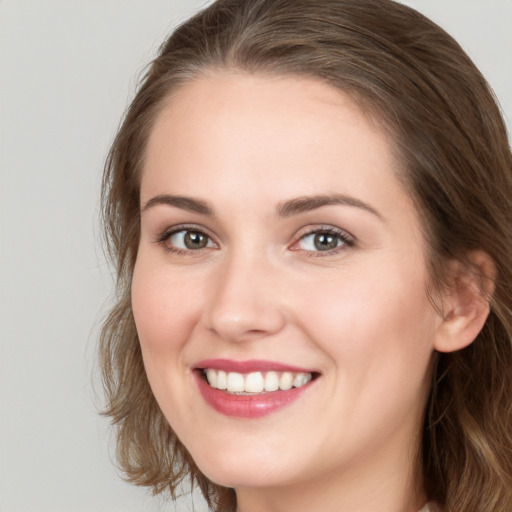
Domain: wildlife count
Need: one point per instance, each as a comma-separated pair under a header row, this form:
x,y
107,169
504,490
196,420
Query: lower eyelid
x,y
344,238
164,238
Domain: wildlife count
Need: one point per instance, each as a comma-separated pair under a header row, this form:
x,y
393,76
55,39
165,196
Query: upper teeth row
x,y
255,382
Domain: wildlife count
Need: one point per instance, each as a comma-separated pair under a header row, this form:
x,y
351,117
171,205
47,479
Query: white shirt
x,y
429,507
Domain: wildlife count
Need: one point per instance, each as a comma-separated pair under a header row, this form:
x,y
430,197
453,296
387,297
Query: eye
x,y
186,240
324,240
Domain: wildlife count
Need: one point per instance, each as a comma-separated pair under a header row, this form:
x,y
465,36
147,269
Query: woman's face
x,y
278,248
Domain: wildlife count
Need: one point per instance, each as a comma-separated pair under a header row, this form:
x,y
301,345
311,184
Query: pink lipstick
x,y
253,365
250,389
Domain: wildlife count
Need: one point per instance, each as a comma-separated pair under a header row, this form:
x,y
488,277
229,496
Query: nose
x,y
245,303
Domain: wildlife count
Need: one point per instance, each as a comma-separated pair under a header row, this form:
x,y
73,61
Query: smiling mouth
x,y
255,383
251,389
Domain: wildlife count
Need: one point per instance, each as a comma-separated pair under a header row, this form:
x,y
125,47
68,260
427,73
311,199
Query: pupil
x,y
324,242
195,240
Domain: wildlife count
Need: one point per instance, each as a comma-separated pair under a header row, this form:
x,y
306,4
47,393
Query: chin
x,y
242,470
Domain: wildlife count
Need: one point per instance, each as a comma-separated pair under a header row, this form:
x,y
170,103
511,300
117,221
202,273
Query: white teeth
x,y
222,380
286,381
271,381
211,376
255,382
235,382
301,379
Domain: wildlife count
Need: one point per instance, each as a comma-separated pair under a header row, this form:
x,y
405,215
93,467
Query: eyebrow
x,y
307,203
288,208
183,202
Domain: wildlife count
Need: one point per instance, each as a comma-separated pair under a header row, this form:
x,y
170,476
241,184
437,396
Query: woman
x,y
309,207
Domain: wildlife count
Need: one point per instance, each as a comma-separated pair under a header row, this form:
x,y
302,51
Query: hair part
x,y
454,158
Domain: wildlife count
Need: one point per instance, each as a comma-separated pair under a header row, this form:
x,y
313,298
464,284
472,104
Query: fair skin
x,y
332,286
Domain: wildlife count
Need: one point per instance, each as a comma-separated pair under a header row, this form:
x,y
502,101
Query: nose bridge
x,y
244,303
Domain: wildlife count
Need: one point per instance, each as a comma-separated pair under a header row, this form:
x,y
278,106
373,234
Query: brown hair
x,y
453,146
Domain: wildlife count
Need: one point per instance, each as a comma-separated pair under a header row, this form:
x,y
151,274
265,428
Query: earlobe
x,y
466,302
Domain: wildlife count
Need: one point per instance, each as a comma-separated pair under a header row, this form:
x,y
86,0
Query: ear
x,y
465,303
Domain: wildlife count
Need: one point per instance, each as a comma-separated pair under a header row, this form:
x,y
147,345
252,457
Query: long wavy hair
x,y
452,142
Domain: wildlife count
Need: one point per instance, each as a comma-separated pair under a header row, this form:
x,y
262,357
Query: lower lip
x,y
248,406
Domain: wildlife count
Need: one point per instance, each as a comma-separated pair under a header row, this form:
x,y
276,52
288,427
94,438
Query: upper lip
x,y
248,366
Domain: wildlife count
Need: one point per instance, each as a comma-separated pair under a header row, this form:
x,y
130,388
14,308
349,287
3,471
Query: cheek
x,y
165,309
377,327
165,314
378,334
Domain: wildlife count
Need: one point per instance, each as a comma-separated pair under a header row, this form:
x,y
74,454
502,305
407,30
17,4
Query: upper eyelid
x,y
300,234
185,227
162,239
164,234
329,228
349,241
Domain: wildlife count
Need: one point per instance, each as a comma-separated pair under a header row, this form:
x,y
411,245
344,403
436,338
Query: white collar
x,y
429,507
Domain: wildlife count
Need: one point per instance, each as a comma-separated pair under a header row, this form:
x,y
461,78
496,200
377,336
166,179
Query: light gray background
x,y
67,71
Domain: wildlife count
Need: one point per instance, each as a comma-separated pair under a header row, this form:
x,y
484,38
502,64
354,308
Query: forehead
x,y
244,140
243,98
259,122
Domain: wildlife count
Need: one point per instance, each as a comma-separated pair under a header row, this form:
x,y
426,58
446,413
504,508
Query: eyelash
x,y
164,238
347,241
